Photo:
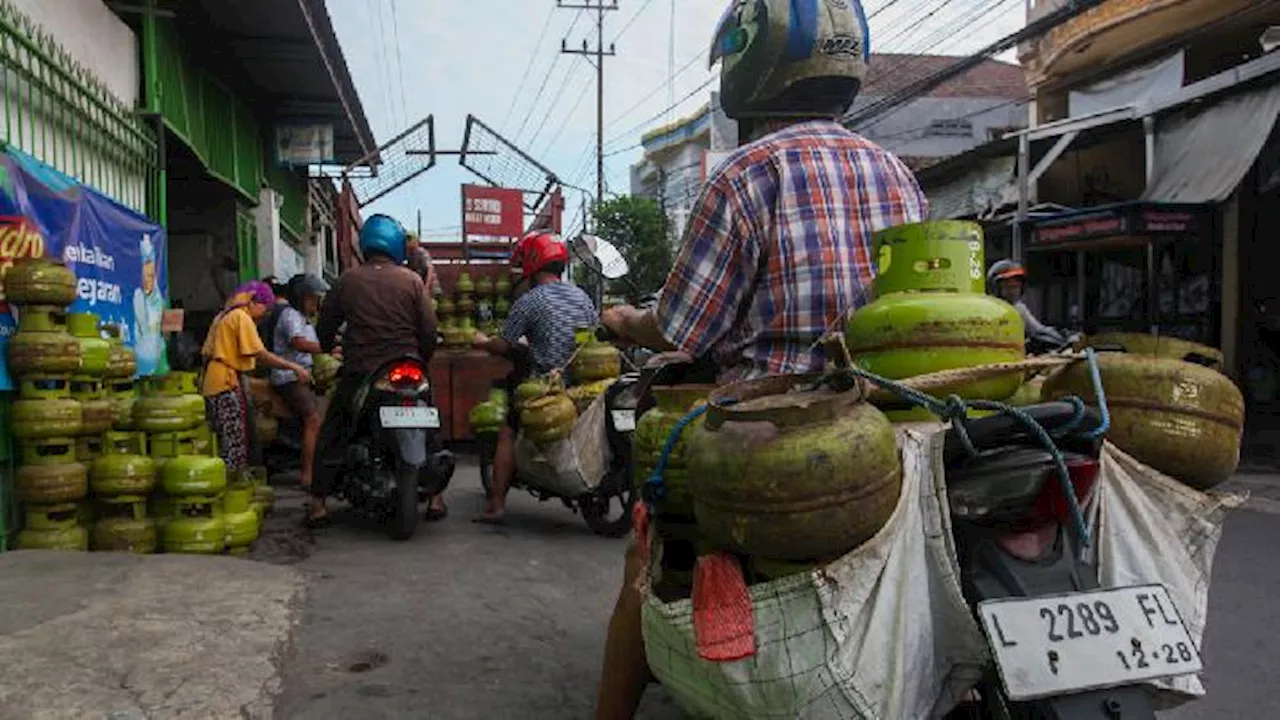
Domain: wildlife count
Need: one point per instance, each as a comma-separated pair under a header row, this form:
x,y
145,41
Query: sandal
x,y
435,515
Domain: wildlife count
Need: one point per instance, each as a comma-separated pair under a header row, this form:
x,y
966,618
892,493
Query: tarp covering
x,y
1134,87
979,192
1202,154
884,631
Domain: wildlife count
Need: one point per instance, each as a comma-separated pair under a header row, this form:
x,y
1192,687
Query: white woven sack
x,y
1151,528
882,633
573,466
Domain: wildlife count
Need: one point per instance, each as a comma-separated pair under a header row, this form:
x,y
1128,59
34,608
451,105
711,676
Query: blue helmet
x,y
383,234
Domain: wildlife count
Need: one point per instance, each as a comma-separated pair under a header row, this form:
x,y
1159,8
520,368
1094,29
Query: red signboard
x,y
492,211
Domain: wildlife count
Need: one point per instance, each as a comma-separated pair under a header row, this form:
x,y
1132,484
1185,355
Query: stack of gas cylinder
x,y
473,305
931,313
791,475
49,364
197,509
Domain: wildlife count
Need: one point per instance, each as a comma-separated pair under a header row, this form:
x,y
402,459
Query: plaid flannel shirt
x,y
778,248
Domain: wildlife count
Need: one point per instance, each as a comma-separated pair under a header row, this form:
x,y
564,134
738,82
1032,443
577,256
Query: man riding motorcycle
x,y
1006,279
779,247
546,313
388,314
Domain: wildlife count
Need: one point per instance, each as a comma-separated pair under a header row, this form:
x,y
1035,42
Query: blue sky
x,y
411,58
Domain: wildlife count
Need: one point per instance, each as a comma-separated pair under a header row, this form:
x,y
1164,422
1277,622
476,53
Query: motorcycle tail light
x,y
1052,505
405,374
1018,489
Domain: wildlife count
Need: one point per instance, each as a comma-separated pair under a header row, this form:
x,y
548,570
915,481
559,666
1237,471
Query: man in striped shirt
x,y
778,248
545,315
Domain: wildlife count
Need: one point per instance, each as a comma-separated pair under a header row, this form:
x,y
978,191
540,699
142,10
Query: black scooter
x,y
391,460
1063,647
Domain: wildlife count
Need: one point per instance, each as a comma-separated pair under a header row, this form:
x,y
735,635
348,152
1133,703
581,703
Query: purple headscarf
x,y
253,291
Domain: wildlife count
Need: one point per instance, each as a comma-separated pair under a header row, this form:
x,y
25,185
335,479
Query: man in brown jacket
x,y
387,314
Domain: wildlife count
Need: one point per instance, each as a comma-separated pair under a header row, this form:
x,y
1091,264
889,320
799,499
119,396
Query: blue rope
x,y
954,409
655,482
1095,375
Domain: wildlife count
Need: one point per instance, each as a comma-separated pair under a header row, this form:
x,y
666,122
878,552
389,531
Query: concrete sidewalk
x,y
123,637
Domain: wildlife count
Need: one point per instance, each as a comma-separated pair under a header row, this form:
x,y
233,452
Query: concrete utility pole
x,y
599,53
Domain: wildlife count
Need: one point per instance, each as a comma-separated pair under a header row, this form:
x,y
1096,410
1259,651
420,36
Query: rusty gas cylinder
x,y
788,471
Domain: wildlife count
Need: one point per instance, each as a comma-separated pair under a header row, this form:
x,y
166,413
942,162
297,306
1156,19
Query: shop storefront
x,y
1130,267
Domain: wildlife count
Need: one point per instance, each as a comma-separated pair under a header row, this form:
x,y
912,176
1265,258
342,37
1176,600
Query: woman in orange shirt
x,y
231,349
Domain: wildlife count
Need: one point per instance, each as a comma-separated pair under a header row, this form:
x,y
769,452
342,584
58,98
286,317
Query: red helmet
x,y
536,250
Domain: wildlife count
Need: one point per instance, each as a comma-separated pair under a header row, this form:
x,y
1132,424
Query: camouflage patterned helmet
x,y
790,58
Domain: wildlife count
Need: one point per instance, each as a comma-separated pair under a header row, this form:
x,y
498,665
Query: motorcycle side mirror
x,y
612,265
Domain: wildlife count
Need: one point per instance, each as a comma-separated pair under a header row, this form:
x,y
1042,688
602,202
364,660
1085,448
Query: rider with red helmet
x,y
538,337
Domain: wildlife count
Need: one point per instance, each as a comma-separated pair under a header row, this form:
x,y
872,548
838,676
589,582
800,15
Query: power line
x,y
910,68
555,102
528,67
655,91
542,87
922,87
380,59
599,53
631,21
663,112
568,117
395,29
922,128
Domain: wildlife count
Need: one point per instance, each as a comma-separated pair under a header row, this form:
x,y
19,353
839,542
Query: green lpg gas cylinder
x,y
94,349
97,412
123,470
194,476
40,281
125,527
935,255
49,418
195,528
42,344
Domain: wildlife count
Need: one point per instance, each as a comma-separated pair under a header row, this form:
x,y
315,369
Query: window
x,y
951,127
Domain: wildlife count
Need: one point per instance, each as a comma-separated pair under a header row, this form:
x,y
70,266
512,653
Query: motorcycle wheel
x,y
595,508
403,520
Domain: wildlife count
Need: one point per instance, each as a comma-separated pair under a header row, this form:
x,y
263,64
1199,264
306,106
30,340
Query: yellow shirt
x,y
231,348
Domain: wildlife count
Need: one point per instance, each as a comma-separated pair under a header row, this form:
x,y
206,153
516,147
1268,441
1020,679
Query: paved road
x,y
464,621
471,621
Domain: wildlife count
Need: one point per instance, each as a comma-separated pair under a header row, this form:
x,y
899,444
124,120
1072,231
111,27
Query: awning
x,y
1079,229
978,192
1202,154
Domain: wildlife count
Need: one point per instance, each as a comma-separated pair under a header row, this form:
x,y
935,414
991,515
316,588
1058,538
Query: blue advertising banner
x,y
118,255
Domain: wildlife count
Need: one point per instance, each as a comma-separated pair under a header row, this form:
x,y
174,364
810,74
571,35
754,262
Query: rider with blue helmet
x,y
387,314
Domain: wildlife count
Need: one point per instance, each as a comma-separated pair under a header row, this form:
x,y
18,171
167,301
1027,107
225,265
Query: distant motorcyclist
x,y
388,314
1006,279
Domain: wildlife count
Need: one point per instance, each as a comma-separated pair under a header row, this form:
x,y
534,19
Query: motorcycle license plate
x,y
624,420
409,417
1054,645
